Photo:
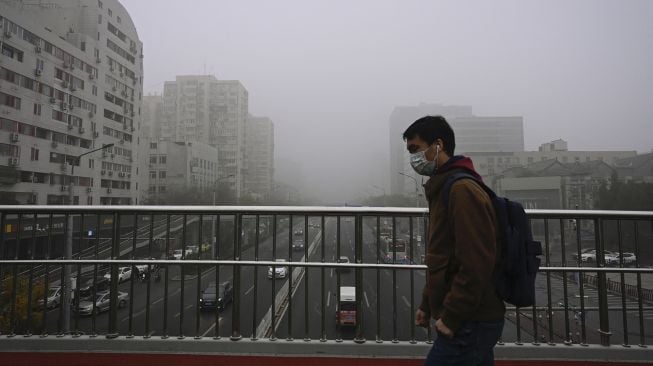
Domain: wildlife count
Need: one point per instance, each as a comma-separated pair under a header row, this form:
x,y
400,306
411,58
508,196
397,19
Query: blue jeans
x,y
472,345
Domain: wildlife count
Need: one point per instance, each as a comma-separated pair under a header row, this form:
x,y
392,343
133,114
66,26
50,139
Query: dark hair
x,y
431,128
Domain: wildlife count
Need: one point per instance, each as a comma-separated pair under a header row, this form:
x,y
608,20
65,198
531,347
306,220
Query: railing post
x,y
113,303
604,316
358,246
235,317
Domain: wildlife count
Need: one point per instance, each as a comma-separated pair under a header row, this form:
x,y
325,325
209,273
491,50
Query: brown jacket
x,y
461,254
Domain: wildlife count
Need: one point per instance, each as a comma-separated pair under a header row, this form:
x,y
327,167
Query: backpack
x,y
518,261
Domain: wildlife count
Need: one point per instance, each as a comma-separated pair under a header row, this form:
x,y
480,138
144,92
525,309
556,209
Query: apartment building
x,y
71,76
259,143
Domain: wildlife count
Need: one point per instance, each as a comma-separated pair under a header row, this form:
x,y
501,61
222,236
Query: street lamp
x,y
416,187
68,250
218,181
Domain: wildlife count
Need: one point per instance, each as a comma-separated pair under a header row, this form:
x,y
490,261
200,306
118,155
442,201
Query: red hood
x,y
459,162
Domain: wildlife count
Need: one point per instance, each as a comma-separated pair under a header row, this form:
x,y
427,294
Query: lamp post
x,y
416,187
218,181
68,250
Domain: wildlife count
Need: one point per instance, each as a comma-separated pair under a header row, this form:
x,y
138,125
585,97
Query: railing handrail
x,y
317,210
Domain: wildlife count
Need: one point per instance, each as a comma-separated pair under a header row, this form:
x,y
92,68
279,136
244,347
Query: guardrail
x,y
582,304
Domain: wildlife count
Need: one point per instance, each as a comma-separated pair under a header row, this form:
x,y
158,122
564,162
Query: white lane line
x,y
328,299
170,295
249,290
177,315
405,301
212,327
189,307
366,300
331,275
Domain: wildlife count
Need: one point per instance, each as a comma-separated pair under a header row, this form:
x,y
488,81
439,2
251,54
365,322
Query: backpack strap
x,y
446,188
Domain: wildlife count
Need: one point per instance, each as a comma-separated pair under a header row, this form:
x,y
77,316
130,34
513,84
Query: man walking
x,y
461,252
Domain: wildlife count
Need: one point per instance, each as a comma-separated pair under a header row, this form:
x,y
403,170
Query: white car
x,y
54,297
629,258
102,303
279,272
177,254
124,273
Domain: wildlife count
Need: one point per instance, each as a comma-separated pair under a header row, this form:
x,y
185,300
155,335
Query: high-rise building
x,y
152,112
259,145
200,108
488,134
71,81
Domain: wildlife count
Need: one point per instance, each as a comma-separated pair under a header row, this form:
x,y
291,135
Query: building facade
x,y
259,144
213,112
71,76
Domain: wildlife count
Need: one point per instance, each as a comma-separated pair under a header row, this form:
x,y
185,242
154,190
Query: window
x,y
152,145
99,4
9,100
34,155
94,91
152,159
162,188
110,13
12,52
152,174
39,64
162,174
162,159
37,109
91,163
119,20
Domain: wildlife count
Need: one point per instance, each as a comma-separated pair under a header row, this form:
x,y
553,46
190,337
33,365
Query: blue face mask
x,y
422,165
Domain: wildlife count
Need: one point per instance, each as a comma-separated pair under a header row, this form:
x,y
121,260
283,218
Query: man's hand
x,y
421,319
439,325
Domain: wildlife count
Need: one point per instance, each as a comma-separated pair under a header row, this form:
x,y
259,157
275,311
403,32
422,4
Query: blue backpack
x,y
518,260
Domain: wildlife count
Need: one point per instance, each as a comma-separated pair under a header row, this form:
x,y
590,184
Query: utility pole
x,y
416,187
68,250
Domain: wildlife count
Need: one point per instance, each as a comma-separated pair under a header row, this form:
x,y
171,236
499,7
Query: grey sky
x,y
329,73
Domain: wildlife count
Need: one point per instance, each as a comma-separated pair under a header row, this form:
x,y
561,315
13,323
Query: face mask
x,y
422,165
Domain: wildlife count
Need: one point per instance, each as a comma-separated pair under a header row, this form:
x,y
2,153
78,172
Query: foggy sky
x,y
329,73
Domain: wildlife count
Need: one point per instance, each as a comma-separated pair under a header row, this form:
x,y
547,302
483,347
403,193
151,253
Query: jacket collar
x,y
455,164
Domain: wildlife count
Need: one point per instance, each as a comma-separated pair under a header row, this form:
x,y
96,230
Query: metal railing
x,y
583,297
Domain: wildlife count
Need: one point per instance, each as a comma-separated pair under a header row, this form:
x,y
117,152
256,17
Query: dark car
x,y
86,288
225,296
343,259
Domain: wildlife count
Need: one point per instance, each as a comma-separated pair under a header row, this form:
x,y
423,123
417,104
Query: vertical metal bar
x,y
95,270
549,311
581,287
115,255
305,269
31,278
640,304
323,337
378,280
358,246
164,334
338,326
394,281
290,272
564,282
256,244
217,277
412,282
199,280
134,272
14,287
48,249
76,300
273,334
604,316
149,282
624,311
235,310
183,277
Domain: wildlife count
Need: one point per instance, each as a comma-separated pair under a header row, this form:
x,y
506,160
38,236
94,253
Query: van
x,y
346,307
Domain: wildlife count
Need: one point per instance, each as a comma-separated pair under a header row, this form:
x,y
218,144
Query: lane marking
x,y
328,299
366,300
405,301
249,290
331,275
212,327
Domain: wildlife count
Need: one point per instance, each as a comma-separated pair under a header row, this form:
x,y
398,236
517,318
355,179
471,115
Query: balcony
x,y
590,310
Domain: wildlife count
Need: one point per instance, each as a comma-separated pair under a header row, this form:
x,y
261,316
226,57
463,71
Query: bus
x,y
395,251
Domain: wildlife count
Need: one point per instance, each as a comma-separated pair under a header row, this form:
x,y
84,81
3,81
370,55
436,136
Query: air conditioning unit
x,y
65,65
70,126
72,88
98,60
53,100
55,144
37,49
89,189
113,88
129,175
64,188
64,84
108,190
123,93
113,156
124,126
103,172
121,174
63,167
122,141
7,33
72,67
96,135
71,106
38,72
14,137
110,173
90,114
104,153
91,77
64,106
82,130
13,161
122,75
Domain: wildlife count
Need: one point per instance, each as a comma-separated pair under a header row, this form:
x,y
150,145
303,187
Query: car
x,y
343,259
53,298
124,273
208,296
298,244
611,258
279,272
629,258
100,284
102,303
299,232
177,254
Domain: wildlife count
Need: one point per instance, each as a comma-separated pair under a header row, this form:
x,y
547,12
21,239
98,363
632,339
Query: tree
x,y
625,196
22,316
